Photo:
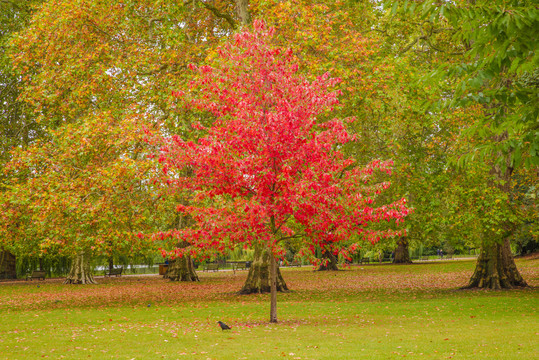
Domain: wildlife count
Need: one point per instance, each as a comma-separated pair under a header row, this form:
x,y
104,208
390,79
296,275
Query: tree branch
x,y
15,5
219,14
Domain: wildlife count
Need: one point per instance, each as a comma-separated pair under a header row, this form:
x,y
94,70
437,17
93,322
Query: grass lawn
x,y
366,312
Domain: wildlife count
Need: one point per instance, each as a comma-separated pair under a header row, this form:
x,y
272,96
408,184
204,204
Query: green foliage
x,y
17,125
498,71
80,59
92,73
53,265
478,58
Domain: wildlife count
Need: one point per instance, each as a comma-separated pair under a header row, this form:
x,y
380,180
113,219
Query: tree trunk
x,y
8,268
273,280
332,261
111,256
80,272
402,255
242,7
182,269
258,279
496,269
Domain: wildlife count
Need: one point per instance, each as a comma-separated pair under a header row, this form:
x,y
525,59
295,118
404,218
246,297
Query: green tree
x,y
89,69
17,124
79,193
492,67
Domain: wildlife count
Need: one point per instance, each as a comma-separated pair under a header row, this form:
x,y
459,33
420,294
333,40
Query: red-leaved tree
x,y
267,169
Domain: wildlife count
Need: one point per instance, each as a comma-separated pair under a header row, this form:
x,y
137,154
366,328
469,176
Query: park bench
x,y
114,272
424,258
448,257
364,261
36,274
211,267
295,263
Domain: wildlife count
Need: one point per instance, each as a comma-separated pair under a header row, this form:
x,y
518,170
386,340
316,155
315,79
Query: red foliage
x,y
267,169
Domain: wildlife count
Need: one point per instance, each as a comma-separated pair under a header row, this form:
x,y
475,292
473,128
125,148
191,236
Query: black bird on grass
x,y
224,326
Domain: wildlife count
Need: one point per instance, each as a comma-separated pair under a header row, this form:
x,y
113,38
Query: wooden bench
x,y
295,263
364,261
211,267
424,258
114,272
36,274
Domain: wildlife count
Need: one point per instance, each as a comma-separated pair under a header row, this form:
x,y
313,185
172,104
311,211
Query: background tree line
x,y
446,90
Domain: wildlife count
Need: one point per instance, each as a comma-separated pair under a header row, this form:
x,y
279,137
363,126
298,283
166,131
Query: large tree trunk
x,y
182,269
402,255
8,268
496,269
331,264
80,272
258,279
242,7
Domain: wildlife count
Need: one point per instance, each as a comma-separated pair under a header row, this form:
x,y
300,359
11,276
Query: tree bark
x,y
273,280
242,7
258,279
111,257
332,261
182,269
496,268
8,269
80,272
402,255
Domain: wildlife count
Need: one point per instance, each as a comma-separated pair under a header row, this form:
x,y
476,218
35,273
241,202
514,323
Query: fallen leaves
x,y
147,293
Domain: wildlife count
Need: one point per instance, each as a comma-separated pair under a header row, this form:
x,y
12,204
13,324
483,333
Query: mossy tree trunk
x,y
496,268
258,279
402,255
80,271
331,264
8,268
181,269
242,8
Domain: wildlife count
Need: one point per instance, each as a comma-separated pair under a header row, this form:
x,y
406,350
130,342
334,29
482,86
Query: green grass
x,y
369,312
